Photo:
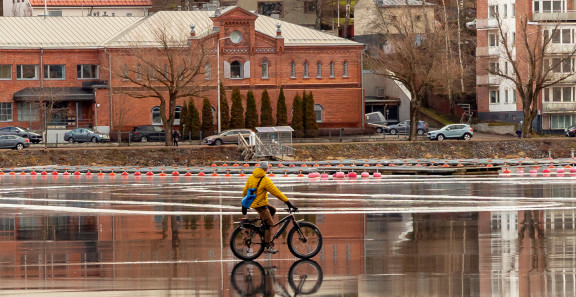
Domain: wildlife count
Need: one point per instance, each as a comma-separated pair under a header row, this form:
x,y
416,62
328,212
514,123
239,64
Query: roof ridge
x,y
126,30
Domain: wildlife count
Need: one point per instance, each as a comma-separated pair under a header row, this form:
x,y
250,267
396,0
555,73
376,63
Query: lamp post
x,y
218,80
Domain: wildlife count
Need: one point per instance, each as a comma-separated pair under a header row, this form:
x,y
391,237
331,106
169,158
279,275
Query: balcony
x,y
559,107
560,16
486,24
488,80
487,51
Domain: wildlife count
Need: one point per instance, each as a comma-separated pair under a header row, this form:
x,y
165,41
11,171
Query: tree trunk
x,y
318,24
414,108
347,19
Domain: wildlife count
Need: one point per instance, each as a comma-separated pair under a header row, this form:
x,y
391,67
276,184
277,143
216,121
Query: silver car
x,y
14,142
454,131
228,136
85,135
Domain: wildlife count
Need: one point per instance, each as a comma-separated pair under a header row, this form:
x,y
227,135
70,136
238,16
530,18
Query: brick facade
x,y
339,95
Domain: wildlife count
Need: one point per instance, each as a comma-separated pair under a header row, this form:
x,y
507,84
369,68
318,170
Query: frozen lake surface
x,y
398,236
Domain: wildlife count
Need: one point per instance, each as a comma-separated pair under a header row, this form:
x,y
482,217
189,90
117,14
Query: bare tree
x,y
120,115
415,55
167,71
538,66
46,109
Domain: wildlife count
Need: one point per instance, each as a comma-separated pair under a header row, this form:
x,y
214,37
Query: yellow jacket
x,y
265,186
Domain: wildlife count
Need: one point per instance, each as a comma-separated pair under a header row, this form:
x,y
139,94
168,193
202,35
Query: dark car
x,y
14,142
404,128
228,136
22,132
570,131
147,133
85,135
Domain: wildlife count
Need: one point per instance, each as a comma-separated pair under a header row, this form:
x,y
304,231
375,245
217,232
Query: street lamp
x,y
218,79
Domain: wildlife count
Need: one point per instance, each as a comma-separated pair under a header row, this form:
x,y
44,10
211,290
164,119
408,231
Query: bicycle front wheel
x,y
305,277
305,241
247,243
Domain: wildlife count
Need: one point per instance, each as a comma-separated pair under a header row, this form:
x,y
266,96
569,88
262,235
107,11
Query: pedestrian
x,y
175,136
263,185
519,130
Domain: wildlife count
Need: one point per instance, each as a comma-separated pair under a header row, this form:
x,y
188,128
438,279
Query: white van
x,y
376,120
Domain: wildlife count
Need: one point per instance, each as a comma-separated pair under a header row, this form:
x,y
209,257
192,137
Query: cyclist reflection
x,y
249,278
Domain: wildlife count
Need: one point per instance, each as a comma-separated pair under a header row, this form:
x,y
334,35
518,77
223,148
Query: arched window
x,y
332,69
265,69
319,70
318,109
292,69
345,69
207,71
306,70
156,115
236,69
177,115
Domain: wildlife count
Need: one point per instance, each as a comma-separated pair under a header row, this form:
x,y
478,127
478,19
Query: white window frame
x,y
27,111
80,71
9,68
492,11
493,40
319,110
345,69
319,70
496,96
47,72
292,69
265,69
241,69
156,119
306,70
332,70
6,112
20,72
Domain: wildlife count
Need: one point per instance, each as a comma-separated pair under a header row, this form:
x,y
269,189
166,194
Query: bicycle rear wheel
x,y
304,242
305,277
247,243
247,278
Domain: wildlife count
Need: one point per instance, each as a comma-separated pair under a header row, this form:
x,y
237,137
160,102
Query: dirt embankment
x,y
201,155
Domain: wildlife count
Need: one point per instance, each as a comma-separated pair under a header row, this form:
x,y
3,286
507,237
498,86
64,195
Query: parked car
x,y
570,131
147,133
457,131
404,128
85,135
376,121
14,142
228,136
22,132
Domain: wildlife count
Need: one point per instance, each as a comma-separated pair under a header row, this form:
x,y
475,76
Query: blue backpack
x,y
250,196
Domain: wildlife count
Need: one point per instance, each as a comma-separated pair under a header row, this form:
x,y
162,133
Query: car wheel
x,y
70,140
420,132
143,139
378,130
218,142
466,136
19,146
94,139
440,137
393,132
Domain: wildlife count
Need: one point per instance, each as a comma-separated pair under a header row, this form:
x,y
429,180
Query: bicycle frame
x,y
285,222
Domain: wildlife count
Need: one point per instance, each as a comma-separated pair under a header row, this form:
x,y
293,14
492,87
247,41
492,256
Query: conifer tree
x,y
207,118
224,109
297,124
193,120
251,119
281,110
183,125
266,119
310,124
237,111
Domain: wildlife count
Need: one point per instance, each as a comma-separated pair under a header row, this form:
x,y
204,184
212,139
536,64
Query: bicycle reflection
x,y
249,278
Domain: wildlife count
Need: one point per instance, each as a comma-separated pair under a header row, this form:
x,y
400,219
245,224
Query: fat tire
x,y
306,289
253,283
257,242
305,227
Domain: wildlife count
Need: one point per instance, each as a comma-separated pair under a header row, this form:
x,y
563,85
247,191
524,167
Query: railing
x,y
567,15
558,106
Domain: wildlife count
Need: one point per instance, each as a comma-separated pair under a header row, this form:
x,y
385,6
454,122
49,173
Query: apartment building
x,y
96,8
498,98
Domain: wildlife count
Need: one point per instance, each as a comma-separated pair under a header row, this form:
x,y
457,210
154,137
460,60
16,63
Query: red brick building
x,y
69,59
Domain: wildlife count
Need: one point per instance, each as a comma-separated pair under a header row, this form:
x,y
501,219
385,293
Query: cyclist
x,y
260,204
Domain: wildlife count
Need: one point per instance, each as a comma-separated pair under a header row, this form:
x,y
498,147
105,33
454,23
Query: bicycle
x,y
249,278
304,238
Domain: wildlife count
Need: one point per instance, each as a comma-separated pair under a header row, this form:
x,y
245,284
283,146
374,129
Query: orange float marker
x,y
124,173
54,172
175,173
33,173
12,173
88,173
137,173
245,165
77,173
235,165
162,174
149,173
188,174
66,173
201,174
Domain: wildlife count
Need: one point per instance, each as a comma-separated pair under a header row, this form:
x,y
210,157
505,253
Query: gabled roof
x,y
70,32
88,32
90,3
